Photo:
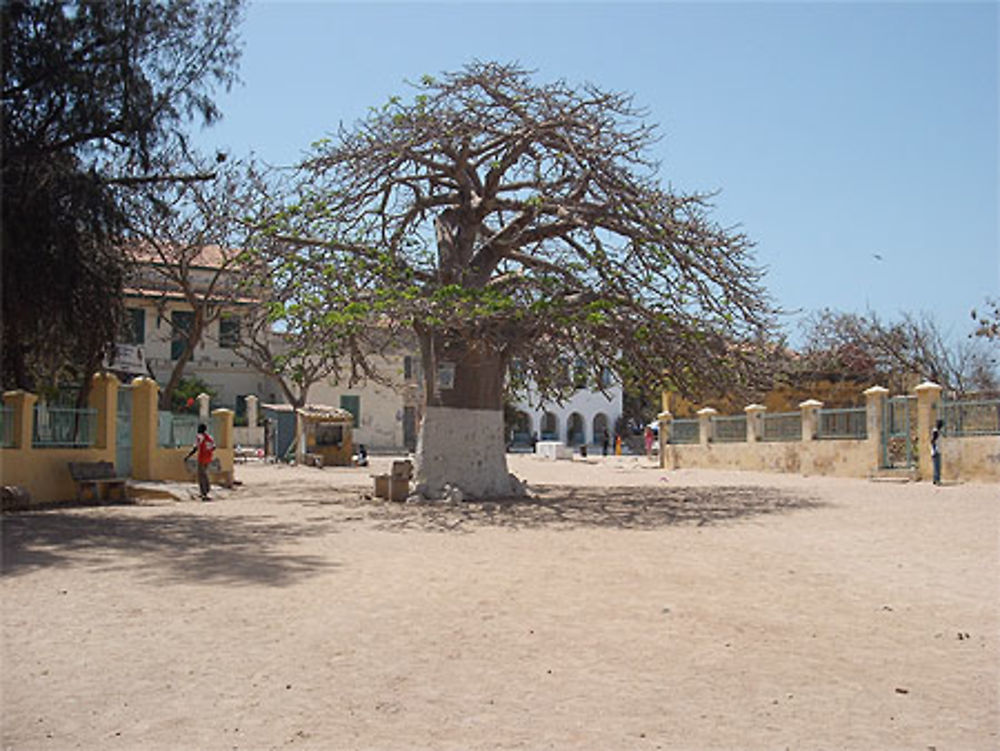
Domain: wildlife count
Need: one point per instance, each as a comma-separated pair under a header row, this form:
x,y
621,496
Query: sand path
x,y
625,608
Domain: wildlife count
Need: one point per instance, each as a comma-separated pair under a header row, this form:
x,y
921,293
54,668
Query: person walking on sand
x,y
204,446
936,450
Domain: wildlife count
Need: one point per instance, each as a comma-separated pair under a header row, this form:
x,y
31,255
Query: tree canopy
x,y
529,219
519,228
95,97
895,354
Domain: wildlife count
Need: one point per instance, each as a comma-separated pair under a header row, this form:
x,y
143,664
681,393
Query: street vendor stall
x,y
327,432
324,432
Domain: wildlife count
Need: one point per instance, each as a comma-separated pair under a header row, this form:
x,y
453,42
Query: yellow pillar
x,y
875,415
705,433
666,425
222,432
222,427
810,418
755,422
104,398
928,401
145,435
22,405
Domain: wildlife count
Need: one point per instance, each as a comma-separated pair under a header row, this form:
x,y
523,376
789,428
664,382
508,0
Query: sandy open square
x,y
625,607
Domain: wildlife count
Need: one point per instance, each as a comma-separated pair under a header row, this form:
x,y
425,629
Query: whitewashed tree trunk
x,y
461,440
463,448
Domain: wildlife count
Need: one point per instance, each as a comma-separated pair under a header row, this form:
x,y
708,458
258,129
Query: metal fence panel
x,y
782,426
971,418
63,427
730,429
6,427
176,430
685,431
849,423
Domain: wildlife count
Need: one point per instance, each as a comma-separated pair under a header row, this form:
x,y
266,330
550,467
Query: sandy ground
x,y
625,607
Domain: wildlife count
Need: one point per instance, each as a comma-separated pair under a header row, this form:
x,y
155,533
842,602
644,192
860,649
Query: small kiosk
x,y
327,432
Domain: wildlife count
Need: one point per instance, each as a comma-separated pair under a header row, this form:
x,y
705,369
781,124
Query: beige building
x,y
386,415
158,310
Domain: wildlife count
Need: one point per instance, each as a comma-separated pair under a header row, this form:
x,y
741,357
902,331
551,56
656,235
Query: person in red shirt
x,y
204,446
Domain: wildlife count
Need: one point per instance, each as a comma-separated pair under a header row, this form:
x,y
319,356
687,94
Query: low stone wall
x,y
839,458
249,436
972,458
964,458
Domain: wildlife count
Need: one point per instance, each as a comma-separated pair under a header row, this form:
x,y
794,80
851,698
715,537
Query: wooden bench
x,y
97,475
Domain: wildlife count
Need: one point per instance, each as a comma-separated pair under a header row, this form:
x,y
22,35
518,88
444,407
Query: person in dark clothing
x,y
936,450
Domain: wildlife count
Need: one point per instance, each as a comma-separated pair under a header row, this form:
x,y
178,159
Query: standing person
x,y
606,440
936,450
649,442
204,446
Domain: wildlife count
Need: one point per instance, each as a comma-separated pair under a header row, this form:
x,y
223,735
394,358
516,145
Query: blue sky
x,y
856,144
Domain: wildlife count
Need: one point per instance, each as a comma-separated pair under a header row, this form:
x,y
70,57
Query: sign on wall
x,y
446,376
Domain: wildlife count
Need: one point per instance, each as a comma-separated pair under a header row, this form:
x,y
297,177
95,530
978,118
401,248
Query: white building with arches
x,y
581,419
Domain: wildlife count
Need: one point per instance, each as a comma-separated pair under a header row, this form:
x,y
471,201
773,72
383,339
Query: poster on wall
x,y
446,376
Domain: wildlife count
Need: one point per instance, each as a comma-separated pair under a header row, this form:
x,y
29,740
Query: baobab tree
x,y
503,221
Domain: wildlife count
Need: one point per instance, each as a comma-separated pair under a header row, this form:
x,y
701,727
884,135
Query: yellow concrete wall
x,y
838,458
970,458
964,458
45,471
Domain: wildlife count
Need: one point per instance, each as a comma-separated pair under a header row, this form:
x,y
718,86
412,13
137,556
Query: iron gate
x,y
123,433
899,427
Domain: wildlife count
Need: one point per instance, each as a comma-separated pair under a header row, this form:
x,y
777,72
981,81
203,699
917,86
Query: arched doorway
x,y
575,435
600,425
550,427
521,429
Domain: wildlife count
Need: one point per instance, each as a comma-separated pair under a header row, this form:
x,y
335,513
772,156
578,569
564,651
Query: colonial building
x,y
386,415
159,314
581,419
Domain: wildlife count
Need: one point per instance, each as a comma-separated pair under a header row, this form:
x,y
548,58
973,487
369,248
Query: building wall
x,y
382,406
588,404
219,367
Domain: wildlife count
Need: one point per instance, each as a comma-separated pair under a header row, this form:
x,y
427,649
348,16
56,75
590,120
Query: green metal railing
x,y
176,430
63,427
684,431
971,418
782,426
6,427
851,423
729,429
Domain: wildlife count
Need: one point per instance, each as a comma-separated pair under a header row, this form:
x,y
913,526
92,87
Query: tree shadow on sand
x,y
231,550
566,507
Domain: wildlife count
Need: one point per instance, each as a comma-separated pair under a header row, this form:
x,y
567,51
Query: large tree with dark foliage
x,y
94,95
895,354
512,223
